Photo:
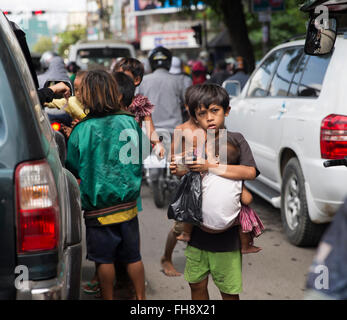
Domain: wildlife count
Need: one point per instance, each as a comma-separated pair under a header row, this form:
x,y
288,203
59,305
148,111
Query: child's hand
x,y
67,130
160,150
174,168
199,165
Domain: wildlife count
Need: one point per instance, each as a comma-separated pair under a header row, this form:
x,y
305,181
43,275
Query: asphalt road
x,y
278,272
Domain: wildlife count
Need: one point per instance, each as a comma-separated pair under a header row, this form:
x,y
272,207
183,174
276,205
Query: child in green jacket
x,y
105,152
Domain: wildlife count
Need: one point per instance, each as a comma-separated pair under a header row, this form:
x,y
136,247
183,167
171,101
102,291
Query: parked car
x,y
40,210
292,111
99,53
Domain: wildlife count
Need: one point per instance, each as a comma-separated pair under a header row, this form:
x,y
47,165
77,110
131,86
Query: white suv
x,y
293,113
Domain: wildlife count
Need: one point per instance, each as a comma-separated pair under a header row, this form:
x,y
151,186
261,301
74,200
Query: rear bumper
x,y
326,189
65,286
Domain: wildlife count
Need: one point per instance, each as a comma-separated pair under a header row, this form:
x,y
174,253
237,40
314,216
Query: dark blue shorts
x,y
117,242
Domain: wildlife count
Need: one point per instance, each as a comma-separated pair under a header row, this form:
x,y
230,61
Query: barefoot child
x,y
183,142
216,253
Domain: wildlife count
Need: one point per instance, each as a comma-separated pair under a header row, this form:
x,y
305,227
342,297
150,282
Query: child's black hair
x,y
126,87
132,65
204,95
99,93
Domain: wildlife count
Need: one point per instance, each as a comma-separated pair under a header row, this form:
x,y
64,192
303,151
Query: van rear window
x,y
100,57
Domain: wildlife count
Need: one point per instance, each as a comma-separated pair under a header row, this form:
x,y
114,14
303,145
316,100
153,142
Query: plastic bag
x,y
186,205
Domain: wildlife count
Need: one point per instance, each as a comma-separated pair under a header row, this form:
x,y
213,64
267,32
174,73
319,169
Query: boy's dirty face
x,y
211,118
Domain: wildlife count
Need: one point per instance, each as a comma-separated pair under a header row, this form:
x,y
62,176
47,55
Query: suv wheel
x,y
297,224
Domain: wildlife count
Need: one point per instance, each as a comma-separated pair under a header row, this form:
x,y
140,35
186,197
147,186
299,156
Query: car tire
x,y
299,228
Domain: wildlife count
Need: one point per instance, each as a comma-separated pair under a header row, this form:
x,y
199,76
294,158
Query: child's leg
x,y
166,259
106,275
226,296
199,290
246,196
187,230
246,243
136,273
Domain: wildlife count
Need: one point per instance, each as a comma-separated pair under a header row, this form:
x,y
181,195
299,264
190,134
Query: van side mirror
x,y
320,38
233,87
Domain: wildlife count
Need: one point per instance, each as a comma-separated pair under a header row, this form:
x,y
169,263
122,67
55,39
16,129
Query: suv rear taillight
x,y
37,207
333,137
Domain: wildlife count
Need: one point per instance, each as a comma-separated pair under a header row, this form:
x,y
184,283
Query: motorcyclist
x,y
164,90
240,73
55,68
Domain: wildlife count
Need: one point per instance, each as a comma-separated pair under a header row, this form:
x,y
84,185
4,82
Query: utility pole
x,y
265,19
101,34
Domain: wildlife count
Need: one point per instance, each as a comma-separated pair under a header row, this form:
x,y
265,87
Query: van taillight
x,y
333,138
37,207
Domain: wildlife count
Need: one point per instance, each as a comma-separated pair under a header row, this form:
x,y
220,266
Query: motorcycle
x,y
159,178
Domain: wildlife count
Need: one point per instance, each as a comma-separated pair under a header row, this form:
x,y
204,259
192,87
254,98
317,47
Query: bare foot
x,y
184,236
168,268
250,249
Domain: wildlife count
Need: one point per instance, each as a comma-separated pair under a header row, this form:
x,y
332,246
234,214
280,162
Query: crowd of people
x,y
110,106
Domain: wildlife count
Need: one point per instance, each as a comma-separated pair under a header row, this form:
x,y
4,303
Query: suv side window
x,y
309,76
284,72
260,81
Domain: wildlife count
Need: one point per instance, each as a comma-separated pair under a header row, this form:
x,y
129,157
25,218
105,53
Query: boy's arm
x,y
153,135
246,196
175,148
234,172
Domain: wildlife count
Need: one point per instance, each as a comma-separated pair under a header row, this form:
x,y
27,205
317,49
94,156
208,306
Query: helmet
x,y
160,57
46,59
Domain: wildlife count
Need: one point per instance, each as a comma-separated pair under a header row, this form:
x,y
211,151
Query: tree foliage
x,y
43,44
69,37
232,15
284,25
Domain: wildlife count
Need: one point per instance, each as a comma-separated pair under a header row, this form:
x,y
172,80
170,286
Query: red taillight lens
x,y
37,207
333,138
56,126
37,230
